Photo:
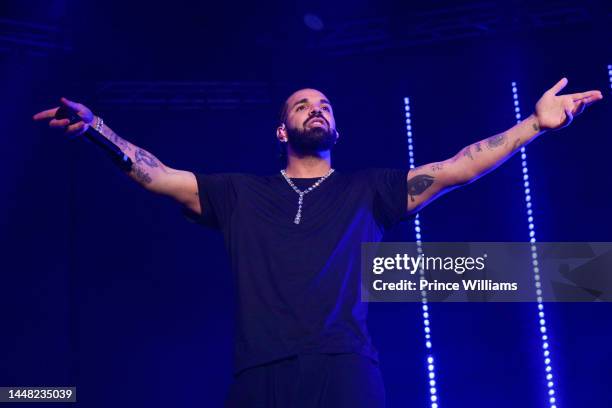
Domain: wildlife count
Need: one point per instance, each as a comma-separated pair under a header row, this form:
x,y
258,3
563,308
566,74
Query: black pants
x,y
310,381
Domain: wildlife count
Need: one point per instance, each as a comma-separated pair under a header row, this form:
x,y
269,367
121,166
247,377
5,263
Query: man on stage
x,y
294,241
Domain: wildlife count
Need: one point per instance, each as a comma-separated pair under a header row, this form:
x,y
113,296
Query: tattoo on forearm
x,y
437,167
478,148
468,152
517,143
418,184
535,126
123,144
141,175
496,140
146,158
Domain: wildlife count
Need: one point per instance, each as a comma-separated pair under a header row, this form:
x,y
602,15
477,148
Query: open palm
x,y
557,111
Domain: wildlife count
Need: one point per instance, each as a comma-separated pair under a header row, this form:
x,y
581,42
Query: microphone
x,y
112,150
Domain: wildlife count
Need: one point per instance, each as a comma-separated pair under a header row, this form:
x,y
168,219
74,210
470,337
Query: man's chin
x,y
313,142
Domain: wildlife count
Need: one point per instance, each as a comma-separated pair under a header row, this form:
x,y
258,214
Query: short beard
x,y
311,141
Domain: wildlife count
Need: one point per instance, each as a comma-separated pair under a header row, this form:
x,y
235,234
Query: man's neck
x,y
308,166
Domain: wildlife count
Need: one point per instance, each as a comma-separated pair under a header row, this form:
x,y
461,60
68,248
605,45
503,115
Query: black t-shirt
x,y
298,286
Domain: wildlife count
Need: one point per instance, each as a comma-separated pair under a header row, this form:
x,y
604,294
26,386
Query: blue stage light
x,y
534,261
424,305
313,22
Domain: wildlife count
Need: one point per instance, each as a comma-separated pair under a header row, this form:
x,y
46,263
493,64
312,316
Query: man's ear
x,y
281,133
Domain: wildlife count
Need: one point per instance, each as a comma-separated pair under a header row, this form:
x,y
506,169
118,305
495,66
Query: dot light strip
x,y
431,369
552,399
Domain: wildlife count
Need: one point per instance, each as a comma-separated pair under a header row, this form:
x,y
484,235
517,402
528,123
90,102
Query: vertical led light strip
x,y
552,400
610,75
431,369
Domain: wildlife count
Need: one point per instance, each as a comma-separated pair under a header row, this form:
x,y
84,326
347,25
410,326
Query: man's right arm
x,y
155,176
147,170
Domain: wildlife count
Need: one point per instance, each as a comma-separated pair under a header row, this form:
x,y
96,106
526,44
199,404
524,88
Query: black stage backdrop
x,y
108,288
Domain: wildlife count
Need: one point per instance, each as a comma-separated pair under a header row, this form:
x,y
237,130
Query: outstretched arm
x,y
147,170
552,111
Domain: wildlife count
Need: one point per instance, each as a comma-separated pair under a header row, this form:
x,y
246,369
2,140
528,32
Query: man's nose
x,y
315,110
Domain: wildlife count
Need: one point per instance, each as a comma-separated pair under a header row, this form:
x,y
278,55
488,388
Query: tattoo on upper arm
x,y
437,167
496,140
468,152
418,184
478,148
141,175
146,158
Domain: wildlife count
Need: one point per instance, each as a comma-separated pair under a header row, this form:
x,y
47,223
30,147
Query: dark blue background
x,y
106,287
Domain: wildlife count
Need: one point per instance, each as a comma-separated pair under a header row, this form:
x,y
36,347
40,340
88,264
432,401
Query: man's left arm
x,y
552,111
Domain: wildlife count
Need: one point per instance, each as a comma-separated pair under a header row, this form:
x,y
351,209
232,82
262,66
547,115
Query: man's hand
x,y
73,130
557,111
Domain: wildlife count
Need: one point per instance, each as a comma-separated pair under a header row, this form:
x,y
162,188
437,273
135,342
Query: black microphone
x,y
121,159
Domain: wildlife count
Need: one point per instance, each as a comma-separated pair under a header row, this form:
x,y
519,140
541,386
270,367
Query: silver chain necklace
x,y
301,193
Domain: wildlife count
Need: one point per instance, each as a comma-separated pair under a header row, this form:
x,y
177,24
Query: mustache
x,y
319,116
